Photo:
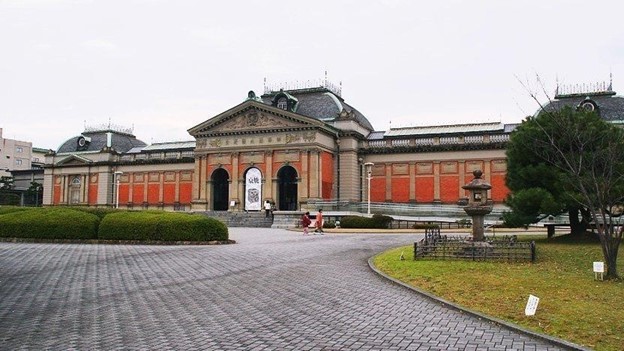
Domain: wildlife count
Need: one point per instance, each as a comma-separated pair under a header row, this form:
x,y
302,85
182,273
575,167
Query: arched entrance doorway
x,y
220,189
287,188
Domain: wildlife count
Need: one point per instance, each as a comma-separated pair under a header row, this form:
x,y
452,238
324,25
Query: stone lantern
x,y
478,206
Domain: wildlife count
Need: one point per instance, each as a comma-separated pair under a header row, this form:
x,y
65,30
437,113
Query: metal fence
x,y
452,212
500,248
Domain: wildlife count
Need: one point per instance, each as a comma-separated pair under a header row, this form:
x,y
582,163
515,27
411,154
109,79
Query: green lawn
x,y
573,306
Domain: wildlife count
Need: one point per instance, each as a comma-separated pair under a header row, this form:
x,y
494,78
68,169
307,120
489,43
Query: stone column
x,y
436,181
388,182
412,182
268,176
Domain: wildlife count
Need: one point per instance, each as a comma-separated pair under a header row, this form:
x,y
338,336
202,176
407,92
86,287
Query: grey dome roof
x,y
121,142
609,106
320,103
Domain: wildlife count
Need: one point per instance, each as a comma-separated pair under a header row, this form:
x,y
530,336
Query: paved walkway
x,y
274,290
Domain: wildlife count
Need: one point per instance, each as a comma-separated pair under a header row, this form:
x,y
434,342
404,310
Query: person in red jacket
x,y
305,222
319,222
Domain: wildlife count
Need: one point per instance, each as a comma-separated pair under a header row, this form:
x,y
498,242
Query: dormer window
x,y
282,103
285,101
588,105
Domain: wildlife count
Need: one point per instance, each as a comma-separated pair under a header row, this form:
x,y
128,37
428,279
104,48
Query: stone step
x,y
241,219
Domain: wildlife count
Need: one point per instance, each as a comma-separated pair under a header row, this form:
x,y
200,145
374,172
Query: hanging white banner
x,y
253,190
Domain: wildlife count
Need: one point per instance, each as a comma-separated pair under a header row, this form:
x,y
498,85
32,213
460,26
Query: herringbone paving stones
x,y
273,290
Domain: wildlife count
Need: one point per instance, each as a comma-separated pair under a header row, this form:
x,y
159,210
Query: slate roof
x,y
320,103
445,129
121,142
171,145
610,106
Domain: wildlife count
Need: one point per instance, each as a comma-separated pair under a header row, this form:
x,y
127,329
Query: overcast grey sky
x,y
166,66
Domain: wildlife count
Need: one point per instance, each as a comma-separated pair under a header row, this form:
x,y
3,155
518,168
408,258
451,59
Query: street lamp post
x,y
369,174
117,175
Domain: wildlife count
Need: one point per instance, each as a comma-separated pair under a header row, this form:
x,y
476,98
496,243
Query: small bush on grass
x,y
329,224
185,227
425,226
128,226
377,221
49,223
164,226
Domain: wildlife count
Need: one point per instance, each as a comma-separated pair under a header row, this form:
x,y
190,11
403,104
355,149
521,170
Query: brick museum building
x,y
295,148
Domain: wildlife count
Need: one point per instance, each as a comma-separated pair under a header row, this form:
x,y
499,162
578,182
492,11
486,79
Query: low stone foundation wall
x,y
287,219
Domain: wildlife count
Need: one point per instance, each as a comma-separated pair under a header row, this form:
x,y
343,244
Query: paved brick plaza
x,y
274,290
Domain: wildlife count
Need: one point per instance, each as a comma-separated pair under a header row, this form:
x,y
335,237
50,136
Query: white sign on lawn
x,y
598,270
598,267
531,306
253,190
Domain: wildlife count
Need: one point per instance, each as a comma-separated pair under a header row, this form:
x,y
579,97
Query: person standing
x,y
267,208
319,222
305,222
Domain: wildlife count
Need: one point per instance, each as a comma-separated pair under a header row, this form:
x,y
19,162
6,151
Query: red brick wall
x,y
124,191
186,190
400,189
137,193
57,194
153,193
377,190
449,186
424,189
169,193
93,193
499,190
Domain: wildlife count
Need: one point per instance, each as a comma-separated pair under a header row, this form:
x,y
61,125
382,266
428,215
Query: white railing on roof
x,y
449,140
377,143
497,138
473,139
424,141
400,142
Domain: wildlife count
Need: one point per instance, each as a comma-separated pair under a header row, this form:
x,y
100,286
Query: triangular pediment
x,y
253,116
73,160
255,119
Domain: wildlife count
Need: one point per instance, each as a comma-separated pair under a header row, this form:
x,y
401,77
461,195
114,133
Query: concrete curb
x,y
559,342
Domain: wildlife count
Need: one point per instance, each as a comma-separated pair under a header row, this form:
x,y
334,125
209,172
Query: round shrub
x,y
425,226
381,221
329,224
162,226
128,226
377,222
49,223
186,227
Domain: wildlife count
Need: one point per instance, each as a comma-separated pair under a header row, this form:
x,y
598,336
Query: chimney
x,y
109,139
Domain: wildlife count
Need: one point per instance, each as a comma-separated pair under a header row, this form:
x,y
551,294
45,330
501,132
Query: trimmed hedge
x,y
376,222
329,224
425,226
9,209
162,226
49,223
107,224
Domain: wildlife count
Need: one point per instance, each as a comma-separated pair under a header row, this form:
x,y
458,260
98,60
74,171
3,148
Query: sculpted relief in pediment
x,y
254,119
